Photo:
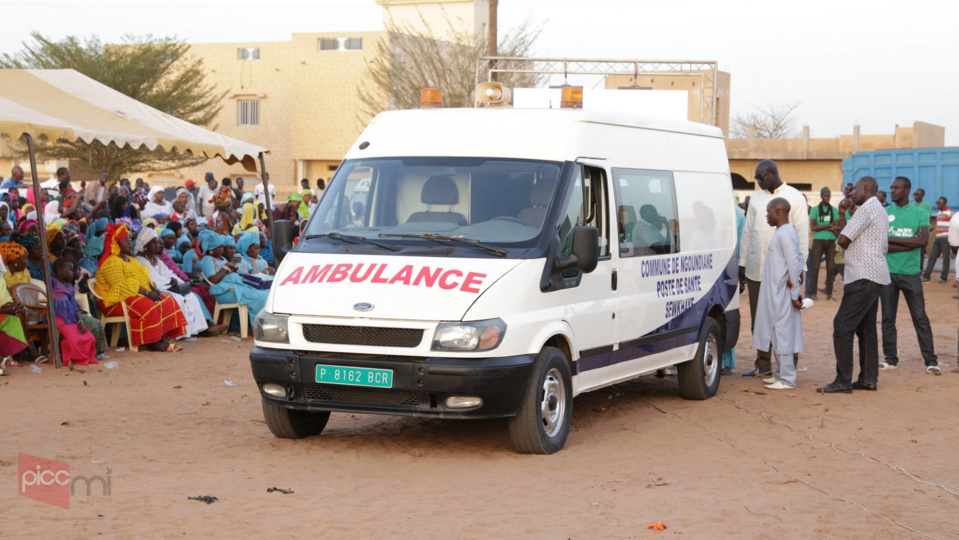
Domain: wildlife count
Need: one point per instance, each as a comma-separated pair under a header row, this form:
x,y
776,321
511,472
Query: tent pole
x,y
51,318
266,201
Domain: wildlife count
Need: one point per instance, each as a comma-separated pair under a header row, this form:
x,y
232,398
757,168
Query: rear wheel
x,y
542,423
699,377
293,424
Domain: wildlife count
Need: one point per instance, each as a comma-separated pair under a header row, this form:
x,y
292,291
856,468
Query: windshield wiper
x,y
348,237
439,238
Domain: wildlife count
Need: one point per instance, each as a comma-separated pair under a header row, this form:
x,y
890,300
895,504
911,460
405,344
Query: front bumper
x,y
420,385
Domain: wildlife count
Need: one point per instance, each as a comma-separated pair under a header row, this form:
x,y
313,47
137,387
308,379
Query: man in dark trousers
x,y
821,219
908,232
864,243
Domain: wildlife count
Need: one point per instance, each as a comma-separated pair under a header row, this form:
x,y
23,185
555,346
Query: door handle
x,y
615,278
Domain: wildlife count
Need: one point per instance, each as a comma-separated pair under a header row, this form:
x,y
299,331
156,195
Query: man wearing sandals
x,y
908,232
778,321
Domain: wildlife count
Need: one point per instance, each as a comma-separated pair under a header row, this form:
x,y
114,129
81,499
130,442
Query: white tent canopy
x,y
62,103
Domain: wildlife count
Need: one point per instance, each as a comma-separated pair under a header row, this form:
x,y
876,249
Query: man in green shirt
x,y
919,196
908,232
821,219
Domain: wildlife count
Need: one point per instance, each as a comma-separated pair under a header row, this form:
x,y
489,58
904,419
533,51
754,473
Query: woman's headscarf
x,y
295,197
228,240
185,239
153,191
25,226
27,240
27,208
10,217
111,240
11,251
248,217
209,240
94,246
52,231
247,196
223,198
304,210
51,212
246,240
146,234
167,232
145,224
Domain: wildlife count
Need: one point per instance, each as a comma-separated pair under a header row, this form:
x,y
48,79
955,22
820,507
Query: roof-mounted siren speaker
x,y
493,94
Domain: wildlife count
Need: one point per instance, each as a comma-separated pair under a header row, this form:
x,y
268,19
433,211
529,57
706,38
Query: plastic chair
x,y
116,319
227,310
33,298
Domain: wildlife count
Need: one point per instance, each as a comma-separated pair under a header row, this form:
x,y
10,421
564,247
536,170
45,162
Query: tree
x,y
408,60
155,71
771,122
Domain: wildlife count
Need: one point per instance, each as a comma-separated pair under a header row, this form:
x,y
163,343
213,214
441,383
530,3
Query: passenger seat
x,y
439,190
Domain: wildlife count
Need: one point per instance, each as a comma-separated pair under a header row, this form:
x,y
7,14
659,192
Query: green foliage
x,y
409,60
156,71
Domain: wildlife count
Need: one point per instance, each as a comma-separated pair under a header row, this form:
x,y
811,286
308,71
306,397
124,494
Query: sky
x,y
874,63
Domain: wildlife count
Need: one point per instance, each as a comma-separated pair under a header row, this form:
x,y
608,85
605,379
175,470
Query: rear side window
x,y
646,212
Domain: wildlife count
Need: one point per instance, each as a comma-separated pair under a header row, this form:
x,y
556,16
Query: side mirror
x,y
282,239
585,253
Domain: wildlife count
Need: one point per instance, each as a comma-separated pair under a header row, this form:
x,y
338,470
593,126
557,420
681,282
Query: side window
x,y
353,208
646,212
593,214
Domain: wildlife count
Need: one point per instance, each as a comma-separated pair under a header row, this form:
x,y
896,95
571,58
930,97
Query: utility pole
x,y
491,39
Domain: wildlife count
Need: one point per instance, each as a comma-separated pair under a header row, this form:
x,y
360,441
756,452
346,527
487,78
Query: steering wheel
x,y
510,219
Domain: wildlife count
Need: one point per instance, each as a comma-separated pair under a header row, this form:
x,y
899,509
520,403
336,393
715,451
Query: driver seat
x,y
539,197
439,190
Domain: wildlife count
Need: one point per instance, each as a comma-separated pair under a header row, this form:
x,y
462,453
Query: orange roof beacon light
x,y
572,97
431,98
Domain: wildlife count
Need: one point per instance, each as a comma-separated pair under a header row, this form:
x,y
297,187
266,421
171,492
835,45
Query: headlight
x,y
469,336
270,327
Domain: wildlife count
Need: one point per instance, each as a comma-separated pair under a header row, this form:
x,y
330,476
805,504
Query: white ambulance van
x,y
481,263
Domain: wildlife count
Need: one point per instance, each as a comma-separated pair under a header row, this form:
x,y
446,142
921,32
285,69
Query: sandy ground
x,y
747,463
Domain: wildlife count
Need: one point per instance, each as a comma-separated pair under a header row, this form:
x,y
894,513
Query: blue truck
x,y
935,170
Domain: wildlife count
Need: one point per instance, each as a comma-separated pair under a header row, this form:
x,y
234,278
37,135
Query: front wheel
x,y
542,423
699,377
291,423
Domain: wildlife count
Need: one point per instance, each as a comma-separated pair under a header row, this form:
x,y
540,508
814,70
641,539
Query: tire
x,y
699,377
293,424
542,423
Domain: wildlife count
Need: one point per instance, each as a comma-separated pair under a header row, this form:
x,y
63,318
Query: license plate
x,y
379,378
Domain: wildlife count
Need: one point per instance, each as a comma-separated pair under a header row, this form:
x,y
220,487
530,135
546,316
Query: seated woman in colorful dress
x,y
248,246
197,315
56,241
154,317
14,257
78,344
13,341
226,284
35,260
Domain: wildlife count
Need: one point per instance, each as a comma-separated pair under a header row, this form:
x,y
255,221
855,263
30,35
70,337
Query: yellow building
x,y
299,98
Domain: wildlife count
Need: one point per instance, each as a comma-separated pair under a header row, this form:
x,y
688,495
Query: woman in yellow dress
x,y
155,317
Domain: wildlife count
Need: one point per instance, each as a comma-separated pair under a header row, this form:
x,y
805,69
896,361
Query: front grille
x,y
362,335
372,396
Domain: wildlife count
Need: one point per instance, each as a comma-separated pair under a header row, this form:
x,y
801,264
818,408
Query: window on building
x,y
248,53
328,44
248,112
353,44
646,212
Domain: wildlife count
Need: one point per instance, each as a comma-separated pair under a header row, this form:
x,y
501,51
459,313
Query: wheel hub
x,y
553,404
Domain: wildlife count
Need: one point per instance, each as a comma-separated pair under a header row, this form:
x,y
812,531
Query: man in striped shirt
x,y
941,245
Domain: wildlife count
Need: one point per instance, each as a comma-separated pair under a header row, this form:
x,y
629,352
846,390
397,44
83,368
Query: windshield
x,y
492,201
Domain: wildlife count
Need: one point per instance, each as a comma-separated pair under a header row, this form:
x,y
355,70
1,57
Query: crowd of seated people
x,y
113,247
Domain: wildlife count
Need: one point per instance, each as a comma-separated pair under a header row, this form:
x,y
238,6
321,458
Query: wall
x,y
436,17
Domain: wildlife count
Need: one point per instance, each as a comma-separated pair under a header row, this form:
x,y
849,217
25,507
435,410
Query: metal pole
x,y
266,202
51,317
491,45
